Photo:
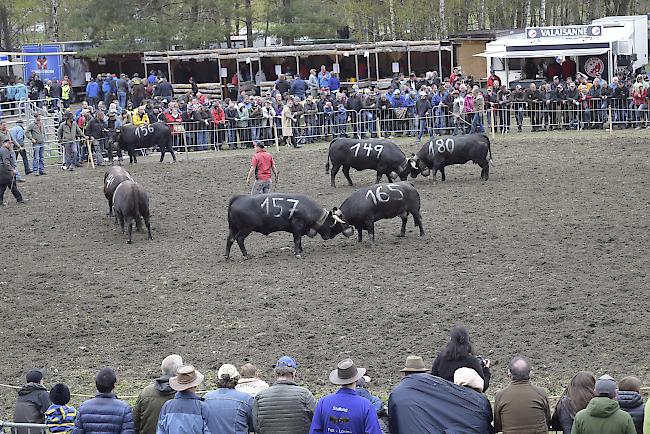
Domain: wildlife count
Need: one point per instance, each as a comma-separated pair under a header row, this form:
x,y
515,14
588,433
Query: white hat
x,y
228,370
396,91
468,377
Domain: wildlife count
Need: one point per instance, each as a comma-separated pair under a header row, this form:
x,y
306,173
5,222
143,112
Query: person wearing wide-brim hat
x,y
414,365
186,413
345,410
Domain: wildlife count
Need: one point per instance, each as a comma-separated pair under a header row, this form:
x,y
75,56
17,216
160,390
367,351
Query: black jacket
x,y
31,405
422,107
444,368
632,403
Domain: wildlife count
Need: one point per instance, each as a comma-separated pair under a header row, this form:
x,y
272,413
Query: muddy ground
x,y
548,259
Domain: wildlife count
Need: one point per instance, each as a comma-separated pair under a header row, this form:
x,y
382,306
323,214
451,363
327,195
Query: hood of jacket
x,y
29,388
161,384
602,406
629,399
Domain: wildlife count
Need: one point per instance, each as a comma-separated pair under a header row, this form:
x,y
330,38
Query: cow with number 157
x,y
381,155
378,202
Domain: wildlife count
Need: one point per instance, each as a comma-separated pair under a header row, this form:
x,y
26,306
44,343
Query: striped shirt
x,y
60,418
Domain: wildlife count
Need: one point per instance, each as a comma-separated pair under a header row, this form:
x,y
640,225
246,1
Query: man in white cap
x,y
345,411
186,413
229,411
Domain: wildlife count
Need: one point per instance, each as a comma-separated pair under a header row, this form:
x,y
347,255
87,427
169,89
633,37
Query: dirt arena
x,y
548,259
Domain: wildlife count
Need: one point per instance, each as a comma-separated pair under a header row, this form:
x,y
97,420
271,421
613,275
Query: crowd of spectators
x,y
449,397
302,110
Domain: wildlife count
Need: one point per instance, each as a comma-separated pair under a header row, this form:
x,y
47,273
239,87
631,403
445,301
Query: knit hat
x,y
60,394
34,376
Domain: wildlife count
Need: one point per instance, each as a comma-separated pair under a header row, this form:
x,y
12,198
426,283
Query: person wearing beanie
x,y
60,416
603,414
32,402
229,411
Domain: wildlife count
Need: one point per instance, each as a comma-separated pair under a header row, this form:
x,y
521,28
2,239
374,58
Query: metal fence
x,y
207,135
26,428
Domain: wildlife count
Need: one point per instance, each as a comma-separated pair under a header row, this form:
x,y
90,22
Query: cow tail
x,y
327,163
230,221
489,149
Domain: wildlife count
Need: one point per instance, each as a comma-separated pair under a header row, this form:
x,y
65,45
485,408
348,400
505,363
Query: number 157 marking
x,y
276,204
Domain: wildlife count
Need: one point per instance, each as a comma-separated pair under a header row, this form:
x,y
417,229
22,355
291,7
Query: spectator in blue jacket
x,y
21,91
345,410
229,411
104,414
365,393
107,89
187,412
299,88
324,78
334,83
60,416
92,92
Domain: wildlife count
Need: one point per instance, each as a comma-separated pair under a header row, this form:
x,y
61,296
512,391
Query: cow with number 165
x,y
378,202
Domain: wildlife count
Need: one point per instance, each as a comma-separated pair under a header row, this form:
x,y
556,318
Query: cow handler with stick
x,y
262,165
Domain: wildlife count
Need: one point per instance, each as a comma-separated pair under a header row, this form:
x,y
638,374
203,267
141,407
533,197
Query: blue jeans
x,y
38,163
422,127
519,115
477,124
370,122
121,99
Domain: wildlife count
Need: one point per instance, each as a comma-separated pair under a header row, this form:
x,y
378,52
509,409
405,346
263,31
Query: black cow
x,y
129,138
381,155
378,202
278,212
445,151
131,203
113,177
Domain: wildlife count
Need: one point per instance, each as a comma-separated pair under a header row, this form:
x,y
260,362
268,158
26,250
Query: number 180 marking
x,y
442,146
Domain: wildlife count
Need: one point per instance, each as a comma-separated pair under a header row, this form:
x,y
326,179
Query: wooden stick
x,y
611,119
91,160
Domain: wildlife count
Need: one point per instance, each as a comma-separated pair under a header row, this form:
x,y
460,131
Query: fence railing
x,y
497,118
26,428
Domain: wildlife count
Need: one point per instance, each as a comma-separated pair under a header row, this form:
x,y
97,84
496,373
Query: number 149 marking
x,y
368,148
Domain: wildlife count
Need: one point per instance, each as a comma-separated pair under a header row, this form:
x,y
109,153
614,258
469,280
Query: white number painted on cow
x,y
109,179
380,196
276,203
442,146
368,148
143,130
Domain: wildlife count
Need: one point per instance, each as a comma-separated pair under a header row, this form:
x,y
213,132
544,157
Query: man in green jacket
x,y
147,409
68,133
603,414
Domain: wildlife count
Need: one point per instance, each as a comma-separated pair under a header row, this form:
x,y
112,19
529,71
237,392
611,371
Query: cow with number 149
x,y
380,155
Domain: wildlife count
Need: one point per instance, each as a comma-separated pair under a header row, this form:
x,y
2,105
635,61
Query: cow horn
x,y
339,219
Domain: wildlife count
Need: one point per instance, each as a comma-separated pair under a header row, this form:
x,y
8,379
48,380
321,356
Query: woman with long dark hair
x,y
459,354
576,396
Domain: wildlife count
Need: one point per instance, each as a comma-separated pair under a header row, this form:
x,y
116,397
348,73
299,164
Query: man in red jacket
x,y
262,165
